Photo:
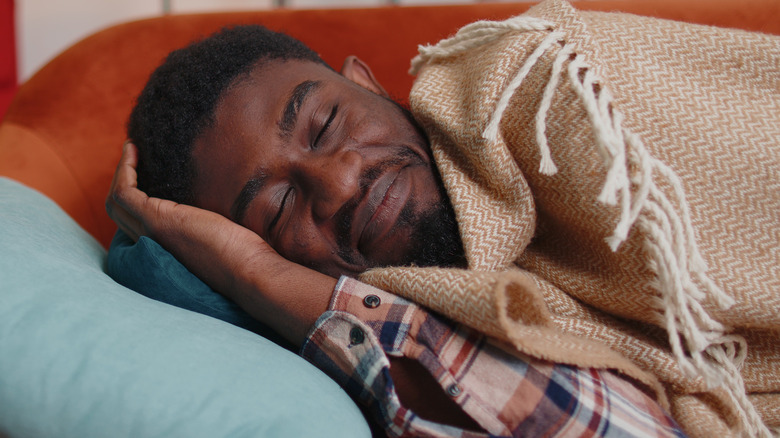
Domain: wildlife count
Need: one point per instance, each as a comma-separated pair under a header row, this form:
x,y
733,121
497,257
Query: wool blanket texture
x,y
615,181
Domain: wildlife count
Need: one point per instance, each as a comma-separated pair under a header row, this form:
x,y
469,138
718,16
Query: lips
x,y
378,213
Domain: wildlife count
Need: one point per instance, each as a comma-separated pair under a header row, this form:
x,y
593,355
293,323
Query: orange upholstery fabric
x,y
7,55
63,131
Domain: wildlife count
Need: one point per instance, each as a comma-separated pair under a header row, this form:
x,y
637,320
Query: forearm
x,y
281,294
286,296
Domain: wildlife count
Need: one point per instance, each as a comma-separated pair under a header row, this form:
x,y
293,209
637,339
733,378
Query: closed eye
x,y
325,127
282,206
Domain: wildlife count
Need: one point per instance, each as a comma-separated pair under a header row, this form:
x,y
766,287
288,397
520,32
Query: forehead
x,y
263,89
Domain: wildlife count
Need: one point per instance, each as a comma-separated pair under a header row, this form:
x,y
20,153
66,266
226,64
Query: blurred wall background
x,y
46,27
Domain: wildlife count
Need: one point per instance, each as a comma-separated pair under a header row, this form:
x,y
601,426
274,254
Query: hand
x,y
196,237
140,215
124,195
231,259
177,227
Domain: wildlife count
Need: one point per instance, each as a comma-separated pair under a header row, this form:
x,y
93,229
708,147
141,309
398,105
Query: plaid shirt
x,y
507,393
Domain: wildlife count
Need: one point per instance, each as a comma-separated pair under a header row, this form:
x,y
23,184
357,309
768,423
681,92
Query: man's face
x,y
333,176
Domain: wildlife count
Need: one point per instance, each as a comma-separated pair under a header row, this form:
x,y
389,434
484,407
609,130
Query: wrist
x,y
285,295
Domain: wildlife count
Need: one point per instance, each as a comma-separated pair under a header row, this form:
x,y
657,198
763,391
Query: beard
x,y
435,239
436,234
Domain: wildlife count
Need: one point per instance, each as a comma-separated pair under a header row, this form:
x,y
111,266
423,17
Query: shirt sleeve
x,y
506,393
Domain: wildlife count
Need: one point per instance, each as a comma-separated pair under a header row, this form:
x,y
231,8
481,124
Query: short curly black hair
x,y
179,100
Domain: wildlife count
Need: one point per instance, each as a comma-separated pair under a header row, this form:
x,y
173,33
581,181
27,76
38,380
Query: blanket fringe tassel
x,y
698,342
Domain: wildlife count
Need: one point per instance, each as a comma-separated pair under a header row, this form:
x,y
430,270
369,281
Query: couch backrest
x,y
63,133
7,54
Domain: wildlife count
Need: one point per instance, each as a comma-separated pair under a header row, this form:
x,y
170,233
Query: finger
x,y
122,158
125,174
130,154
129,224
124,190
125,201
129,158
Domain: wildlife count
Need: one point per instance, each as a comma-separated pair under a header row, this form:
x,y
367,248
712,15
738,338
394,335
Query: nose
x,y
332,181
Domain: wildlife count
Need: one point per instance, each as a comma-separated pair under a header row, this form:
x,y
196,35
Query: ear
x,y
358,72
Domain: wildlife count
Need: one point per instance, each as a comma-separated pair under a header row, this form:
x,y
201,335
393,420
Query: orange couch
x,y
63,131
8,83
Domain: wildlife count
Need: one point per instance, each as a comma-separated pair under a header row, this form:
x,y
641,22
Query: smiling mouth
x,y
379,212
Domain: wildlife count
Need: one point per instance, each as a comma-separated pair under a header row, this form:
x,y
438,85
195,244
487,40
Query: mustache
x,y
345,215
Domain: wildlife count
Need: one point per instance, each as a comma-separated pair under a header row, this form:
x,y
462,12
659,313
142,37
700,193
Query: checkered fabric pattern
x,y
506,393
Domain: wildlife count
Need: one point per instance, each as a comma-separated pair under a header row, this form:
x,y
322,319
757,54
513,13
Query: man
x,y
324,168
334,177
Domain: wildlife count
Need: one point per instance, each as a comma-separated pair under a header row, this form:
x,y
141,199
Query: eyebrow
x,y
286,125
247,194
294,104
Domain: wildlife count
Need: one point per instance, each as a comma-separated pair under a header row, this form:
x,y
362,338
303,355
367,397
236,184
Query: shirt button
x,y
453,390
371,301
356,336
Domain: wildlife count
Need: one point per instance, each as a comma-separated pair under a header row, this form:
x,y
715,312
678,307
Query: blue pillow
x,y
150,270
82,356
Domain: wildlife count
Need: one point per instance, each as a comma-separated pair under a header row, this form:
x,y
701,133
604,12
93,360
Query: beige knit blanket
x,y
616,180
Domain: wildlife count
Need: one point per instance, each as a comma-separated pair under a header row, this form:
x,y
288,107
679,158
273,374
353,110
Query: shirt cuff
x,y
390,317
344,343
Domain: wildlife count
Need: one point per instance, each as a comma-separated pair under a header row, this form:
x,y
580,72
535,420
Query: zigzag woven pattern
x,y
649,229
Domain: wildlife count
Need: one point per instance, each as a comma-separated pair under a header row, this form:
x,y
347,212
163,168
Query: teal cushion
x,y
81,356
150,270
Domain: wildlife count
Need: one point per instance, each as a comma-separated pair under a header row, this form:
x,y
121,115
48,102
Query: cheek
x,y
302,243
379,123
368,130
